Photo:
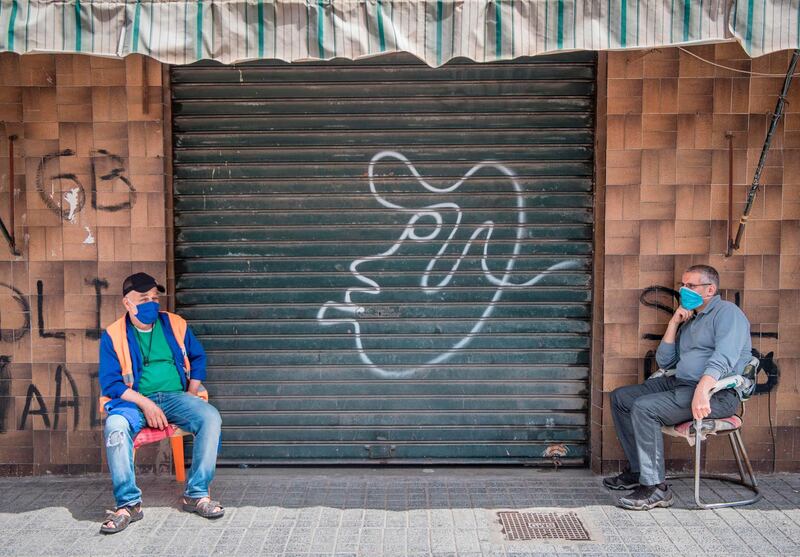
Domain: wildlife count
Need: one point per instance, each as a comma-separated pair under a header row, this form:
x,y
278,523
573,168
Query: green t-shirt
x,y
159,374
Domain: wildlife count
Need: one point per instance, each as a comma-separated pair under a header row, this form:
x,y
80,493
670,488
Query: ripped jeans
x,y
189,413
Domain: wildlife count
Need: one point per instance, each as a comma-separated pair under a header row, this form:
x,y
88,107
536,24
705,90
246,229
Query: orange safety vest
x,y
119,339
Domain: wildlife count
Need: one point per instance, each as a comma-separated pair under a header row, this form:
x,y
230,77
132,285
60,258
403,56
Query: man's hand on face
x,y
154,415
681,315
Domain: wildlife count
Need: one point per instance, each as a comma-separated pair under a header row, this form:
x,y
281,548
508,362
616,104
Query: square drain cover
x,y
542,526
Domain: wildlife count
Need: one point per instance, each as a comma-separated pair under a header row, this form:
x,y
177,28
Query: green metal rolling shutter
x,y
389,261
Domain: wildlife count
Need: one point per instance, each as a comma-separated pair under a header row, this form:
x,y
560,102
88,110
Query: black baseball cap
x,y
141,282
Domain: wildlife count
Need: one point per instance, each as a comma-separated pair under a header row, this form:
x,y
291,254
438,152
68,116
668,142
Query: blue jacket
x,y
110,372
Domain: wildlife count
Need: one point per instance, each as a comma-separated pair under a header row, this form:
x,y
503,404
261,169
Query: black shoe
x,y
647,497
626,480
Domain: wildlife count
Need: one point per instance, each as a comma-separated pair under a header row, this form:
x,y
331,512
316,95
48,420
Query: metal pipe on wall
x,y
751,195
11,218
729,249
9,232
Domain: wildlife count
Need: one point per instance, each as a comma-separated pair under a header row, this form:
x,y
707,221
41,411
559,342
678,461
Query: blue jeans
x,y
189,413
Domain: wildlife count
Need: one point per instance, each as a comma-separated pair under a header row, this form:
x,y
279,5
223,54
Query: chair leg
x,y
177,458
698,440
742,462
737,456
743,457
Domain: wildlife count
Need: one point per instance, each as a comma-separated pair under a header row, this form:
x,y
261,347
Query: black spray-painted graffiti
x,y
106,168
666,299
75,197
41,411
94,413
770,368
40,314
99,284
5,390
64,403
115,172
35,404
13,335
60,404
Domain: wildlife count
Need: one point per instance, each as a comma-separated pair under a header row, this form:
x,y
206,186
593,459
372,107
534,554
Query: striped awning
x,y
183,31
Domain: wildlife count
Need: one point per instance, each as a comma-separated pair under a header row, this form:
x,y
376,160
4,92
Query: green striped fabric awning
x,y
183,31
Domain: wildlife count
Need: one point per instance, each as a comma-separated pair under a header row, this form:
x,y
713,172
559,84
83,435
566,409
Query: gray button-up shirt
x,y
715,342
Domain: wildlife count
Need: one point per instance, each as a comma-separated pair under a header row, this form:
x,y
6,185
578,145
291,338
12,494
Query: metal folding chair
x,y
697,430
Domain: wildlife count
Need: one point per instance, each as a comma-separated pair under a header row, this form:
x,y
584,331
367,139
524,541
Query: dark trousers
x,y
640,410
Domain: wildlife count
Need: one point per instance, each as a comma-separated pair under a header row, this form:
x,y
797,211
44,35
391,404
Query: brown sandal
x,y
133,513
203,506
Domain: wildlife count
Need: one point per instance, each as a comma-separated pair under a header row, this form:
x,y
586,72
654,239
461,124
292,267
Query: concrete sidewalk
x,y
389,512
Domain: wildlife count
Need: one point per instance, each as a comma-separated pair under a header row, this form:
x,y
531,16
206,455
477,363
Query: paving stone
x,y
252,542
370,540
418,541
442,540
347,539
324,540
299,540
467,541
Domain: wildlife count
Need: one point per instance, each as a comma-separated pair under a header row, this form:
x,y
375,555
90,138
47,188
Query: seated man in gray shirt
x,y
706,339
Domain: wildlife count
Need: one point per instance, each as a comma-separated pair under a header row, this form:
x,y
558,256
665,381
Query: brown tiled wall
x,y
661,205
666,205
81,127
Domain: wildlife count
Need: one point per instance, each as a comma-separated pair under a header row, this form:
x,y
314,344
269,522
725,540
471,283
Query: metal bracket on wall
x,y
8,233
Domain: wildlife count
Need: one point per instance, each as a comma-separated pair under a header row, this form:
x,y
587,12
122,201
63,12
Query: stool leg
x,y
737,456
697,452
746,459
177,458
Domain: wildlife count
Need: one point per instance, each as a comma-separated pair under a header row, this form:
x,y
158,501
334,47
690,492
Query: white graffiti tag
x,y
350,311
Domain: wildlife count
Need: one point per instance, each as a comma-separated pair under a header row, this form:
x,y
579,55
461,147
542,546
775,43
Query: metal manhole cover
x,y
519,526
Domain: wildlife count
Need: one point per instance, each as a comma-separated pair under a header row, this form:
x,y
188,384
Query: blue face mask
x,y
690,299
147,312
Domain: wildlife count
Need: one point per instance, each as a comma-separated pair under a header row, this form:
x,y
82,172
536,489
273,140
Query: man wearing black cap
x,y
151,368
